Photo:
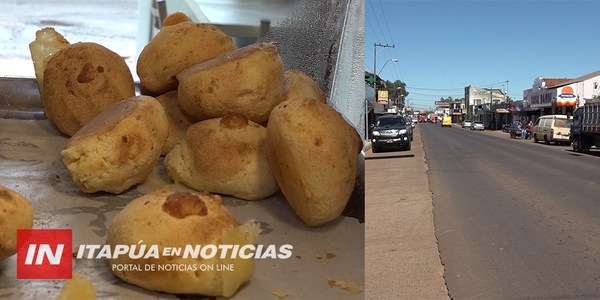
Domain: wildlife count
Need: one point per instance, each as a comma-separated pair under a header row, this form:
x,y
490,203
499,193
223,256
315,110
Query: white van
x,y
551,128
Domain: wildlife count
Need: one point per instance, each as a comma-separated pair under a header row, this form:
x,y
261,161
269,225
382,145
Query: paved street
x,y
514,219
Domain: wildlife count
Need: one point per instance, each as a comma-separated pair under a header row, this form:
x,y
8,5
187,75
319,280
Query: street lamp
x,y
391,59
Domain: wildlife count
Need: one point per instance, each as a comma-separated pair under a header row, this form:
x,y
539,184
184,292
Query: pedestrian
x,y
523,131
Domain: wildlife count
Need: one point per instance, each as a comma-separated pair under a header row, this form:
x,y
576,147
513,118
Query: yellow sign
x,y
382,97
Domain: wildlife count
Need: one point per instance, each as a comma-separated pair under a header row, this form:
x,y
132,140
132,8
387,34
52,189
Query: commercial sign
x,y
382,97
442,103
543,99
566,96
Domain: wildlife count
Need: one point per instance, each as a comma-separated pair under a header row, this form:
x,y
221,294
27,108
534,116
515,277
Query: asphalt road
x,y
514,219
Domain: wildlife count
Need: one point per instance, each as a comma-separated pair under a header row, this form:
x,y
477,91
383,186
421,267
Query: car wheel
x,y
546,141
407,147
535,139
513,135
375,149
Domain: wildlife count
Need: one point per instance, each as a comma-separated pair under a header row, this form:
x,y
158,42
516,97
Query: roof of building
x,y
578,79
550,82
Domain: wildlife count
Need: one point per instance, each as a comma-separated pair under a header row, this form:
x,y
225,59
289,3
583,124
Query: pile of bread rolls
x,y
229,121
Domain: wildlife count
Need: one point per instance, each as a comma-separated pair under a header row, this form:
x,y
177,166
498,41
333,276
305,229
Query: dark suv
x,y
390,131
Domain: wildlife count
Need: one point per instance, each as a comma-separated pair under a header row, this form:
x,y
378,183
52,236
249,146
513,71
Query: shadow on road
x,y
390,156
589,153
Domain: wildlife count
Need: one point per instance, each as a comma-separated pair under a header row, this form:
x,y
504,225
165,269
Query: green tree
x,y
396,90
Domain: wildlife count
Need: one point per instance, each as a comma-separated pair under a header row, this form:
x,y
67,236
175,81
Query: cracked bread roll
x,y
80,81
118,148
179,122
297,85
178,220
226,156
175,48
313,153
248,81
15,213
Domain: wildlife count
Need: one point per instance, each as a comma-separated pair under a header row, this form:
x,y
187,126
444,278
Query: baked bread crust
x,y
297,85
226,156
177,219
15,213
118,148
175,48
313,153
80,81
179,122
248,81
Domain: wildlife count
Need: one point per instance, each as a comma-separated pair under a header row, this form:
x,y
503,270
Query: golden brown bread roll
x,y
313,153
47,42
77,288
175,48
179,122
226,156
297,85
175,18
176,220
15,213
248,81
82,80
119,147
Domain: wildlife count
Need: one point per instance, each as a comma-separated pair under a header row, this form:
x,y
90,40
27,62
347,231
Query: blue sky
x,y
444,46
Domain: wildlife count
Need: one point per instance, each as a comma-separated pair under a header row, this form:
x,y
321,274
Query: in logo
x,y
44,254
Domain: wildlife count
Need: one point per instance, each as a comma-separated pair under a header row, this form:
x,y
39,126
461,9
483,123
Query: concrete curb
x,y
366,145
401,251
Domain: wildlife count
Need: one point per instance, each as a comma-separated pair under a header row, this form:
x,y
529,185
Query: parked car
x,y
552,128
447,121
477,125
409,126
415,121
390,131
466,123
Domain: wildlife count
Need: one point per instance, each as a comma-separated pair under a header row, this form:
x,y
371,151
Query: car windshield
x,y
391,122
476,122
560,123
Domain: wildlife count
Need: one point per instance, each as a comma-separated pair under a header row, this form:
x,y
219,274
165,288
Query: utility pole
x,y
375,64
507,91
374,82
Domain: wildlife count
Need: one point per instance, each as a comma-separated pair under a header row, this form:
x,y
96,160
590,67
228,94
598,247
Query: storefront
x,y
542,101
566,100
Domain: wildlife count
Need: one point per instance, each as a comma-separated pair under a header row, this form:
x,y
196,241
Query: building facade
x,y
560,96
482,105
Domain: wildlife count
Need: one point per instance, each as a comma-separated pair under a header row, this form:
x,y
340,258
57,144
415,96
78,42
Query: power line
x,y
373,29
385,56
438,95
435,89
377,19
395,68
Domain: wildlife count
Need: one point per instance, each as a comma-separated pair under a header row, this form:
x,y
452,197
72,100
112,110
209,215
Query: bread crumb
x,y
327,256
279,293
348,286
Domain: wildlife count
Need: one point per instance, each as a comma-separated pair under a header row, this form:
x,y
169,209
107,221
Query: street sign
x,y
382,97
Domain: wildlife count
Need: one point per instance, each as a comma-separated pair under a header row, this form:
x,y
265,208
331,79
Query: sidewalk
x,y
401,252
